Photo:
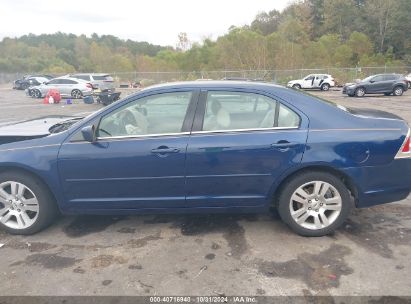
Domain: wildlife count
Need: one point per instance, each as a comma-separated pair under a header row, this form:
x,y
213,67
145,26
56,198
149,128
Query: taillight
x,y
405,150
89,85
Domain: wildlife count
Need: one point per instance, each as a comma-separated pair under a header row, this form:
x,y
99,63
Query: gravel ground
x,y
208,255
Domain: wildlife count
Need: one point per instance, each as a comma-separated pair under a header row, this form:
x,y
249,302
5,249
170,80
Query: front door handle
x,y
283,145
165,150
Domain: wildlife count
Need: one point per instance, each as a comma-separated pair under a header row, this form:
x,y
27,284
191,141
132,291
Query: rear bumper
x,y
381,184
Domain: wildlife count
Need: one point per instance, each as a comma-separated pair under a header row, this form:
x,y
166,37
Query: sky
x,y
155,21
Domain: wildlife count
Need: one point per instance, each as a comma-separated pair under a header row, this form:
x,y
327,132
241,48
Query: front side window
x,y
378,78
54,81
157,114
238,110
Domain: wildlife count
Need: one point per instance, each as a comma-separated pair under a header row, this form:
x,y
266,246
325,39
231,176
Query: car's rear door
x,y
138,160
240,144
65,86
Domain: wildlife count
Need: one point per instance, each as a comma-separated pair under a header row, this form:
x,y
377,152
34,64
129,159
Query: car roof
x,y
215,84
70,78
92,74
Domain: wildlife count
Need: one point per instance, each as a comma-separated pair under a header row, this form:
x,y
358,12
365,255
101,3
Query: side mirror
x,y
372,81
89,133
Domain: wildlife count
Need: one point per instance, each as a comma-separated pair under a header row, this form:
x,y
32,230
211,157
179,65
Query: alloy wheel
x,y
315,205
360,92
19,206
77,94
398,91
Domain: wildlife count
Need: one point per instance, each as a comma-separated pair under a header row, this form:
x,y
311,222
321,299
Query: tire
x,y
360,92
297,87
351,95
37,93
76,94
313,211
398,91
325,87
31,209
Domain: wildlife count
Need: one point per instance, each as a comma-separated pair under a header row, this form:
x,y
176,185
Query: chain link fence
x,y
342,75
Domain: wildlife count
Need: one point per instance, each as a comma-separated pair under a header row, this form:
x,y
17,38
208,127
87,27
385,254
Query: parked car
x,y
30,80
314,81
386,84
408,78
206,147
68,87
99,81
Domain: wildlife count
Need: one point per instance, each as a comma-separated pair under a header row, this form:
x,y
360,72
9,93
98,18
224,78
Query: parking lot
x,y
207,255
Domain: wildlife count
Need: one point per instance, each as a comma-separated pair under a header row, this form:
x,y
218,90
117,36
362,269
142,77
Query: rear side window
x,y
238,111
390,77
67,81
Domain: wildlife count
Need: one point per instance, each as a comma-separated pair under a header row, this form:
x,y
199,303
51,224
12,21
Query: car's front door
x,y
308,82
238,149
138,160
376,84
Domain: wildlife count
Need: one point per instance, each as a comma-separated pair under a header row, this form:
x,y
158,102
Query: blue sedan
x,y
198,147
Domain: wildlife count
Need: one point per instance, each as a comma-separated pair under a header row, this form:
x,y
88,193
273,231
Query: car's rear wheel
x,y
26,205
297,86
398,91
360,92
314,203
325,87
76,94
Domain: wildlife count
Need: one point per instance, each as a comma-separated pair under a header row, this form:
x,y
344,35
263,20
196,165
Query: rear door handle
x,y
165,150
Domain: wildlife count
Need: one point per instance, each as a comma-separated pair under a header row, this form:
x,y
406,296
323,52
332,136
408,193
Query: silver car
x,y
99,81
67,86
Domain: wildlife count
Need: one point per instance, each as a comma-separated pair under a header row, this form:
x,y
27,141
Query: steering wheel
x,y
125,118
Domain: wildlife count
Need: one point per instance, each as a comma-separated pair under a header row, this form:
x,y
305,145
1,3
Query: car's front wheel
x,y
398,91
360,92
314,203
297,87
37,93
26,205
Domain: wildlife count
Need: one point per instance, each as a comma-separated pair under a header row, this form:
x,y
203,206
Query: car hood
x,y
35,127
373,113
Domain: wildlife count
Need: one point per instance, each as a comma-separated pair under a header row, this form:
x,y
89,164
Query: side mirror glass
x,y
372,81
89,133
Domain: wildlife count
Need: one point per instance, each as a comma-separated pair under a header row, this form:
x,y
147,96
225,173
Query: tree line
x,y
306,34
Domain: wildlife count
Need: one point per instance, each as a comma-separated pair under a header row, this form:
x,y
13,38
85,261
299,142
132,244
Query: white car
x,y
68,87
408,78
313,81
